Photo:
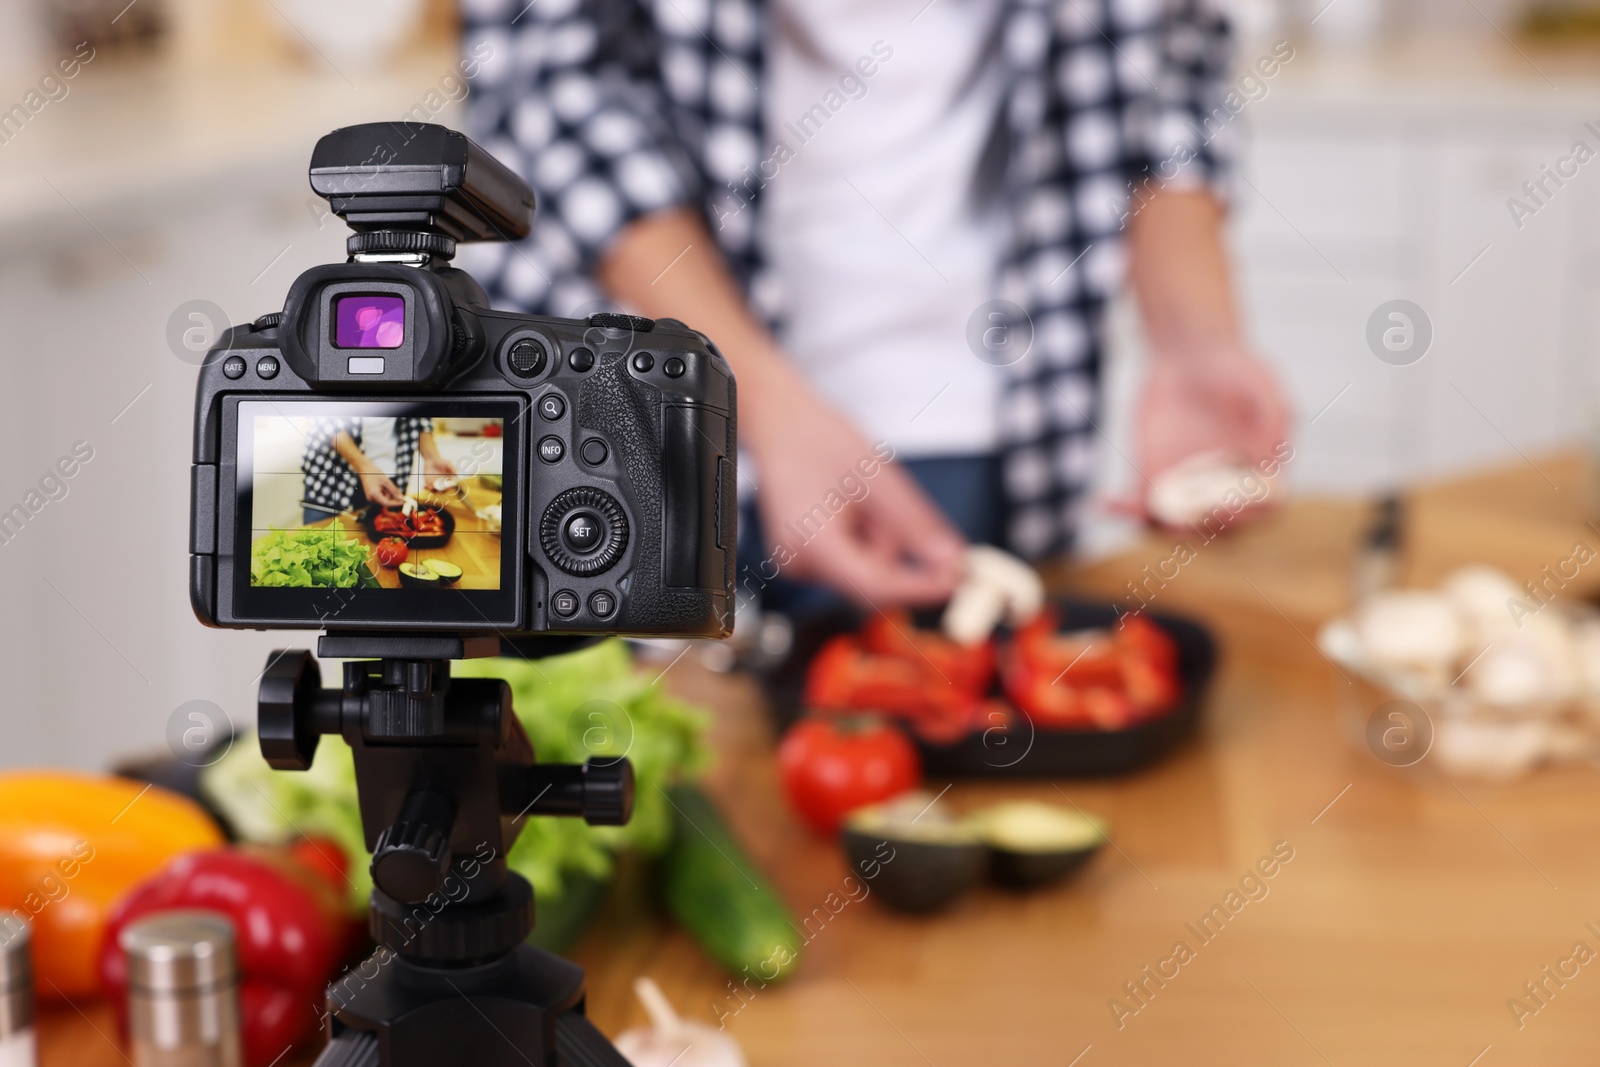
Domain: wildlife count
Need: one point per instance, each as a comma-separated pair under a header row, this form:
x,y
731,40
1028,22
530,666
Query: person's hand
x,y
381,490
1225,400
887,546
437,467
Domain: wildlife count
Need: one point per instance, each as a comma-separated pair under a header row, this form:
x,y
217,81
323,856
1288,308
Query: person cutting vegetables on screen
x,y
902,223
351,461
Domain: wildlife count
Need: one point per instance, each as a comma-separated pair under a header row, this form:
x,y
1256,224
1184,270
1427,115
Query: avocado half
x,y
934,859
448,573
1032,844
418,576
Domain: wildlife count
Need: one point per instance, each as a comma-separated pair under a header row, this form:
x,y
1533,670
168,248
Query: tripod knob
x,y
412,856
607,792
284,710
599,792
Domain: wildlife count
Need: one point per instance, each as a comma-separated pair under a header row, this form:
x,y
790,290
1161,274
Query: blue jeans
x,y
966,488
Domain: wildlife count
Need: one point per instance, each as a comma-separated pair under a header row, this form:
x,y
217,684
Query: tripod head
x,y
446,778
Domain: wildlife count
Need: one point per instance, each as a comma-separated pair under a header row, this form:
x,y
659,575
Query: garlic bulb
x,y
671,1041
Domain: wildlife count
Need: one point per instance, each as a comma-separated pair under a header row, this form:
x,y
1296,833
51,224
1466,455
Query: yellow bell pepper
x,y
70,846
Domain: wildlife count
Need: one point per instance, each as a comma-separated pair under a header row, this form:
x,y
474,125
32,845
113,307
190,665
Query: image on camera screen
x,y
372,496
374,321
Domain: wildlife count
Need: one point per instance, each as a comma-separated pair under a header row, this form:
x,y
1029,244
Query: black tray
x,y
369,515
1047,753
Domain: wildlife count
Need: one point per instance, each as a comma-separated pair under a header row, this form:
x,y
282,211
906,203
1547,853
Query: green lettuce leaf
x,y
588,703
302,559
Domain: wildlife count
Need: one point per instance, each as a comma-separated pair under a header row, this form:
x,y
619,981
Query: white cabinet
x,y
200,194
1388,185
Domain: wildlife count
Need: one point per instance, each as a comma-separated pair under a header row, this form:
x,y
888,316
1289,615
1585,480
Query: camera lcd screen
x,y
393,511
369,321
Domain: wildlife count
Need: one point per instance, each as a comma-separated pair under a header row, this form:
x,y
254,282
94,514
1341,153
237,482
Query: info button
x,y
551,449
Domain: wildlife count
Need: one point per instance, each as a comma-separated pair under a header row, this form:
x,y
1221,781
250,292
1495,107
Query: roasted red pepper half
x,y
1110,679
845,677
969,669
292,931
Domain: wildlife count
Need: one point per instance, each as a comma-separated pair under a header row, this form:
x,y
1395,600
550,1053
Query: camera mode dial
x,y
584,531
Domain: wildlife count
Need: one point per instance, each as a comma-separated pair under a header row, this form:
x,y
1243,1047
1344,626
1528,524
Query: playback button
x,y
565,604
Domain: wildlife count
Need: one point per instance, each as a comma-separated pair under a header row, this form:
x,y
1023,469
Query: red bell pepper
x,y
1110,679
968,669
845,677
292,930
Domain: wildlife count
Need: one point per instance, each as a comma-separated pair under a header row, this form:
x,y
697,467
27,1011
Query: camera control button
x,y
582,533
580,359
602,604
234,367
551,449
643,361
552,407
527,358
593,452
674,367
565,604
267,367
610,320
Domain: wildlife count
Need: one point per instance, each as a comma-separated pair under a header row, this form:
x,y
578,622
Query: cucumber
x,y
714,891
559,922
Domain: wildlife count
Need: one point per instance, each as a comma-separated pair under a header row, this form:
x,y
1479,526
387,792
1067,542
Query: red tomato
x,y
831,767
391,552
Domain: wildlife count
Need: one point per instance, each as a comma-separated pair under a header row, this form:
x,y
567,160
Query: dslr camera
x,y
389,453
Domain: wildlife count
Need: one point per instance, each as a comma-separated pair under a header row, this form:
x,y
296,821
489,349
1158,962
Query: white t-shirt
x,y
380,445
883,226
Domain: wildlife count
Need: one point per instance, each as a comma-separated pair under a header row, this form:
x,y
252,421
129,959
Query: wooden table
x,y
1412,910
474,546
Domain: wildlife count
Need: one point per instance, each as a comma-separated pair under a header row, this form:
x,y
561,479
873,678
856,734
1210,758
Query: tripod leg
x,y
579,1044
353,1048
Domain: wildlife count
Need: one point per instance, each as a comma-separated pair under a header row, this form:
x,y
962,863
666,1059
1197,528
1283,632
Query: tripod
x,y
445,775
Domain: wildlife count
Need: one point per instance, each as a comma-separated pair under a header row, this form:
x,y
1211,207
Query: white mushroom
x,y
997,586
1411,628
1537,664
1482,596
1192,491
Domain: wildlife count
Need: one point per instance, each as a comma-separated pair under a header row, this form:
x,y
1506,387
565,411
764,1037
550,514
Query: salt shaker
x,y
17,1045
183,990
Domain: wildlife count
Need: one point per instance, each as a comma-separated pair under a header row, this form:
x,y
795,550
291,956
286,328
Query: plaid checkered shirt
x,y
612,109
333,483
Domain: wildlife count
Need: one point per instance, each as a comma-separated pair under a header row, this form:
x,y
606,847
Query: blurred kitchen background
x,y
162,186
